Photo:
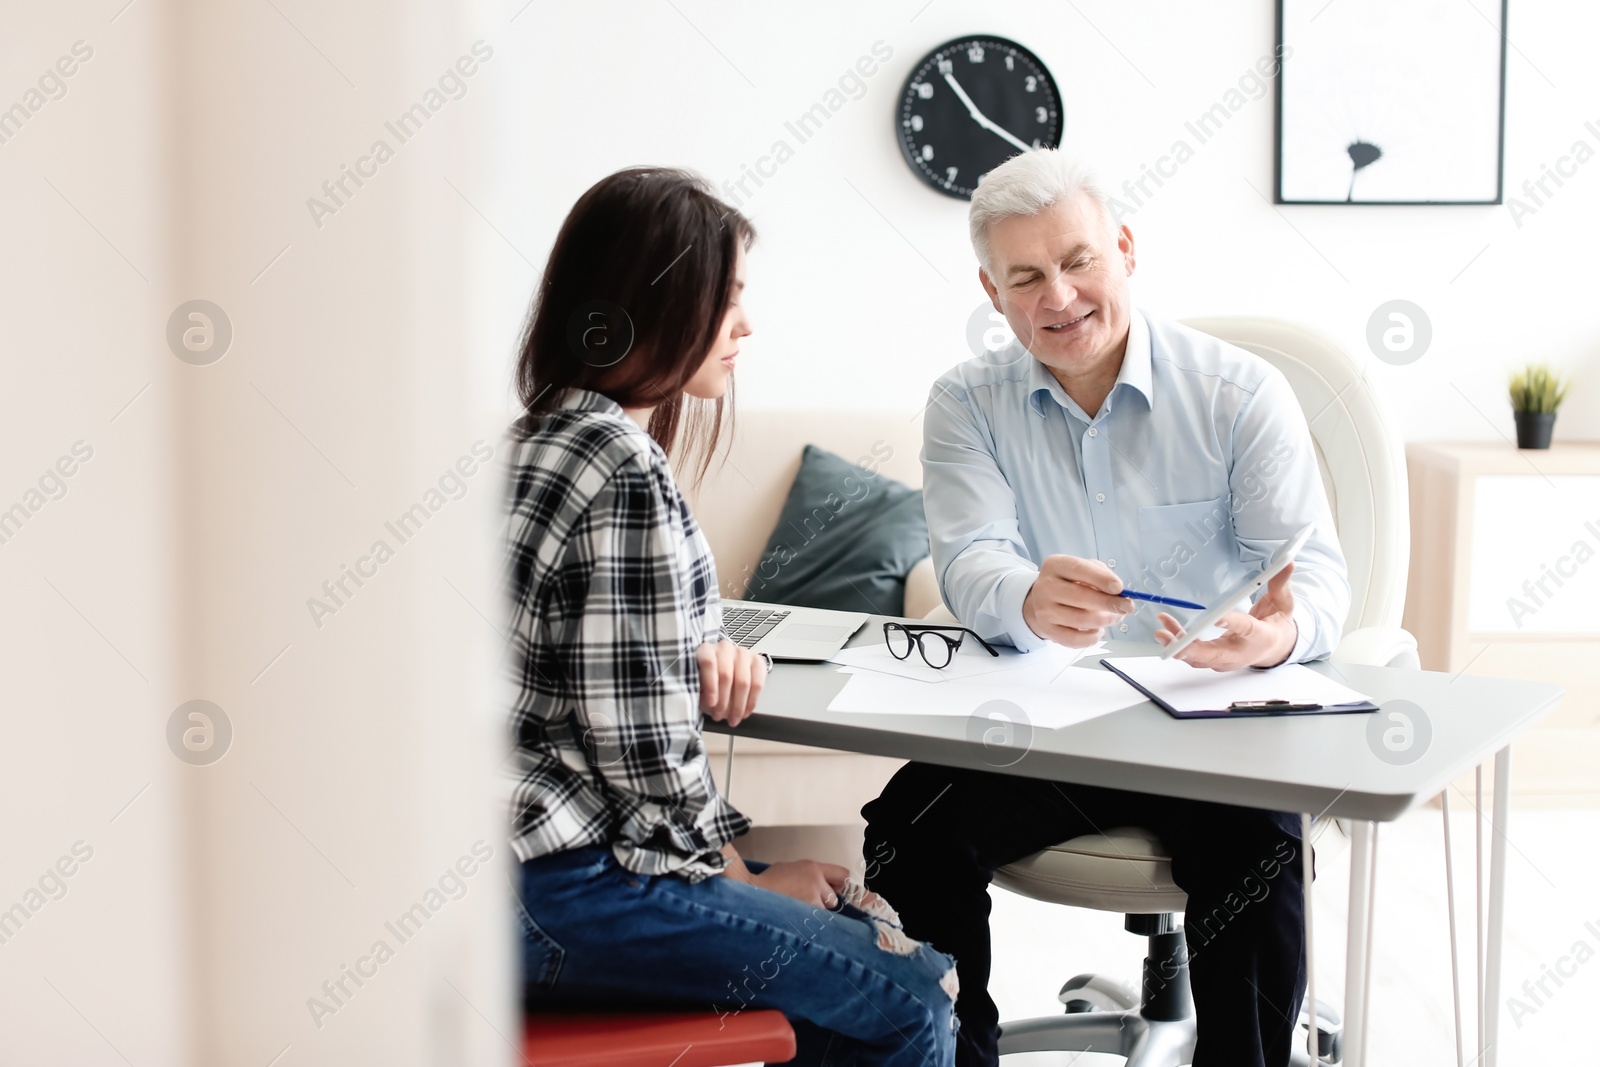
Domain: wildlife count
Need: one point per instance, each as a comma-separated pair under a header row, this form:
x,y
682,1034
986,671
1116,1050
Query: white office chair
x,y
1125,869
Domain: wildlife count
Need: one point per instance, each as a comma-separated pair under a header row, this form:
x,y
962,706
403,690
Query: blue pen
x,y
1167,600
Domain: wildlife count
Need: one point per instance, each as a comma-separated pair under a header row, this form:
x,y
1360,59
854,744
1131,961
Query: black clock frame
x,y
928,63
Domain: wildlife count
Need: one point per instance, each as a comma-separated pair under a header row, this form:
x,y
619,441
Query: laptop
x,y
786,632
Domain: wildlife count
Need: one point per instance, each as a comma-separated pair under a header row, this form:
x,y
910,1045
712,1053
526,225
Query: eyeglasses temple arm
x,y
985,644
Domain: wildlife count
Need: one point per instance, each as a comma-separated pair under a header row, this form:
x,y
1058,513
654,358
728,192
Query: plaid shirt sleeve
x,y
614,587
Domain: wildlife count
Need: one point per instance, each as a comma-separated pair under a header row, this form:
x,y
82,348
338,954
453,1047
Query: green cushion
x,y
845,540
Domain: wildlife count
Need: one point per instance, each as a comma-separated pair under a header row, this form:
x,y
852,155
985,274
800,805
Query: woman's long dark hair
x,y
632,300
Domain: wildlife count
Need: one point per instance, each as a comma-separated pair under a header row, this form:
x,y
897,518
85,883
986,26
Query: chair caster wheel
x,y
1330,1038
1094,992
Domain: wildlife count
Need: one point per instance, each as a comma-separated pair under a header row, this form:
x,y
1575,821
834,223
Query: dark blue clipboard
x,y
1227,713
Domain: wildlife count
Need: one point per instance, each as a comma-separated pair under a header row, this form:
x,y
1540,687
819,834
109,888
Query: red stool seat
x,y
656,1039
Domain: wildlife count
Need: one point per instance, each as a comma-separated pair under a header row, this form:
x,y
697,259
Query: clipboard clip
x,y
1271,705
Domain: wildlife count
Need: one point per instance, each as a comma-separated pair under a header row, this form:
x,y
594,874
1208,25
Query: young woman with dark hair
x,y
631,889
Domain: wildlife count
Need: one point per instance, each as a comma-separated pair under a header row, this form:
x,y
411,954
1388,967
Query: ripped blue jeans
x,y
857,990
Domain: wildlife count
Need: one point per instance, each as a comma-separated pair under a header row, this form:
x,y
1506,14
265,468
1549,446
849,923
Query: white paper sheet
x,y
970,660
1189,688
1045,695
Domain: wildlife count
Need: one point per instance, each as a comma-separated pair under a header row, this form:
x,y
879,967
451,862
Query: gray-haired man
x,y
1111,448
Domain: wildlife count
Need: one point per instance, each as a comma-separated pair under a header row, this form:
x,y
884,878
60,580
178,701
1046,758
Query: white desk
x,y
1321,764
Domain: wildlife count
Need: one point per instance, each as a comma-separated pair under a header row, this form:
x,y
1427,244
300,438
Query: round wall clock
x,y
970,105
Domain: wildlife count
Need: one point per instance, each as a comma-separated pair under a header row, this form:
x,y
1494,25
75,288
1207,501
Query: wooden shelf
x,y
1558,760
1502,457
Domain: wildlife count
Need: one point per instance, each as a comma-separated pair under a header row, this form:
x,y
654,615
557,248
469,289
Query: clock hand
x,y
1007,135
972,109
980,118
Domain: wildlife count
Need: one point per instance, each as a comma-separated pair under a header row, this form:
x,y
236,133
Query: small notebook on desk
x,y
1186,692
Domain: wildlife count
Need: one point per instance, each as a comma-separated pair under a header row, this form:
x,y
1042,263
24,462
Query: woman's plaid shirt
x,y
612,588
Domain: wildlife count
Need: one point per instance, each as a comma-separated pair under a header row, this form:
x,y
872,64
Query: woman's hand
x,y
808,881
731,678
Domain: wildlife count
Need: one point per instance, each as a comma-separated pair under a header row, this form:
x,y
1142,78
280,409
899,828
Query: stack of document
x,y
1043,686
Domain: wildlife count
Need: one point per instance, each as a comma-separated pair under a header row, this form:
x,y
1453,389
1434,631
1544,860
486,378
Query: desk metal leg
x,y
1450,912
1497,905
1477,894
1366,985
1357,965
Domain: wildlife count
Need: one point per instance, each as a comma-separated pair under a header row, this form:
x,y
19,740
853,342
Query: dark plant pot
x,y
1534,428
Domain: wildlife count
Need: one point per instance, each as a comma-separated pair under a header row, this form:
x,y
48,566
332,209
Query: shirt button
x,y
1123,627
1100,498
1094,431
1111,563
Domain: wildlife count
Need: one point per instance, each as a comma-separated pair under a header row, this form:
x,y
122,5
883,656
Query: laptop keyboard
x,y
746,626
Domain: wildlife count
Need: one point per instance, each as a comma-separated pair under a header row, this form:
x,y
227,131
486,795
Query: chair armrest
x,y
1378,646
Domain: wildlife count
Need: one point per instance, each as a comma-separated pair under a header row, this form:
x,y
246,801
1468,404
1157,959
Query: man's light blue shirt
x,y
1197,467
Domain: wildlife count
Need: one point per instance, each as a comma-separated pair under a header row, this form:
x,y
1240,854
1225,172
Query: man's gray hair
x,y
1026,184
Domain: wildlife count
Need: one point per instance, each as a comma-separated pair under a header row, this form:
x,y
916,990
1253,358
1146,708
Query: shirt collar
x,y
1135,372
577,399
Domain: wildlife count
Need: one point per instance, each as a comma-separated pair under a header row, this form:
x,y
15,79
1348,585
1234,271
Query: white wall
x,y
850,313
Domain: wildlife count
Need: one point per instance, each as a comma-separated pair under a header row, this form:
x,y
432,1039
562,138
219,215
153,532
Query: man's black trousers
x,y
937,834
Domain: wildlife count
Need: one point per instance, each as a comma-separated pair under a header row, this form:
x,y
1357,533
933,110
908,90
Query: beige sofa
x,y
803,800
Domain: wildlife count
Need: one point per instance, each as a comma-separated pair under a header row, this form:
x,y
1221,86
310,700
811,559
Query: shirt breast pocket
x,y
1190,548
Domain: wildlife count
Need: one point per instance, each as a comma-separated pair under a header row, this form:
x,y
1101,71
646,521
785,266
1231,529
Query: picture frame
x,y
1389,103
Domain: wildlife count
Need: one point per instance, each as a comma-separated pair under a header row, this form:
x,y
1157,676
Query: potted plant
x,y
1536,393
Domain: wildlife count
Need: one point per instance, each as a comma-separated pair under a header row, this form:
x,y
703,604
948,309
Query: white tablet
x,y
1280,559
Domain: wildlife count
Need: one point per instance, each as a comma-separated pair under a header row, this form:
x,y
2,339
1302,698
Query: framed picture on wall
x,y
1391,101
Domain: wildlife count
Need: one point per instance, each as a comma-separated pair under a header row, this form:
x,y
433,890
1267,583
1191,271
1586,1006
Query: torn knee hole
x,y
893,939
950,983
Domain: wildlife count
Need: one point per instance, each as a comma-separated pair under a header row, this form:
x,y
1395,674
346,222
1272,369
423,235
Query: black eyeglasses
x,y
938,648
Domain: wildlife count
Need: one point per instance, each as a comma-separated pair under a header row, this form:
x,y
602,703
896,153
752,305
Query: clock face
x,y
972,104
